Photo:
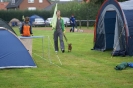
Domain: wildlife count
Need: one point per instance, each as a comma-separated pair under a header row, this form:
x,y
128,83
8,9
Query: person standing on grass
x,y
59,32
26,28
72,22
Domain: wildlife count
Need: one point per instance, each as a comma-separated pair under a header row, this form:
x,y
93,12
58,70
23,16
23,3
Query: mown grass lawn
x,y
81,68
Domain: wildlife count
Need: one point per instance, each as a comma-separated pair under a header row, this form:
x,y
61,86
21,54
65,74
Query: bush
x,y
8,15
82,11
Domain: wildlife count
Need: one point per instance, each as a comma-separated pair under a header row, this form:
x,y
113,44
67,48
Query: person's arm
x,y
31,30
21,29
63,26
74,20
70,20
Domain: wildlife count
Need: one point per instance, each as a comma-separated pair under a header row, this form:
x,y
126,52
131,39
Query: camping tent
x,y
5,25
14,22
13,54
33,17
114,27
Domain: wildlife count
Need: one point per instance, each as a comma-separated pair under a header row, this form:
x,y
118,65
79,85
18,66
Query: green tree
x,y
82,11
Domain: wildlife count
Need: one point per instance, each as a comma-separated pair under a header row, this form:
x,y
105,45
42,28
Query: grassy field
x,y
81,68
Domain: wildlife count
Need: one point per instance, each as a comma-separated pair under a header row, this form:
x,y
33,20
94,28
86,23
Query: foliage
x,y
82,11
6,0
8,15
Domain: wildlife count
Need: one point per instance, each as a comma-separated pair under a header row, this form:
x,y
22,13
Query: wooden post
x,y
80,23
66,24
87,23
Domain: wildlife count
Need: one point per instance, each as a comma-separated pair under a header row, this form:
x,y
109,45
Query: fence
x,y
87,22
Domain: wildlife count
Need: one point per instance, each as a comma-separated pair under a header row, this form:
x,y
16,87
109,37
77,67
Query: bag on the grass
x,y
130,65
121,66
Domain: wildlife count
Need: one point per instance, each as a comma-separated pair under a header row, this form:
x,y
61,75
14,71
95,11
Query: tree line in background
x,y
5,0
82,11
10,14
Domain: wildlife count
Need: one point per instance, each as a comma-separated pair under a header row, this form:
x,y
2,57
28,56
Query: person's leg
x,y
56,41
61,42
73,27
70,29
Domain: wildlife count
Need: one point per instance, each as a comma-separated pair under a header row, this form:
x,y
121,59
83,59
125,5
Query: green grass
x,y
81,68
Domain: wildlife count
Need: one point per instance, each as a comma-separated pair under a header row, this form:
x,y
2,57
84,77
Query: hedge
x,y
8,15
82,11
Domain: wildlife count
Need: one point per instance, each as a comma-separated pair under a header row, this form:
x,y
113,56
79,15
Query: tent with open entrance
x,y
14,22
13,53
114,27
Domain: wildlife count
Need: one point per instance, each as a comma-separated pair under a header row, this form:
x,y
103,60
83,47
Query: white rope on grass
x,y
59,59
53,48
46,60
51,42
47,47
49,51
55,52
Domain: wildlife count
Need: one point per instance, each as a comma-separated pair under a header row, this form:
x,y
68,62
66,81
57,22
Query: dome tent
x,y
13,53
33,17
14,22
114,27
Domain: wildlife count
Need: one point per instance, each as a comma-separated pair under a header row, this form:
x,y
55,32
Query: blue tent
x,y
13,54
114,27
33,17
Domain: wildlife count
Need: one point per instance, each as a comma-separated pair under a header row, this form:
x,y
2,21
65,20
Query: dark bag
x,y
121,66
130,65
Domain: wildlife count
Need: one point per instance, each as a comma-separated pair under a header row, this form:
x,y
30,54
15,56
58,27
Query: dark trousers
x,y
60,35
72,29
